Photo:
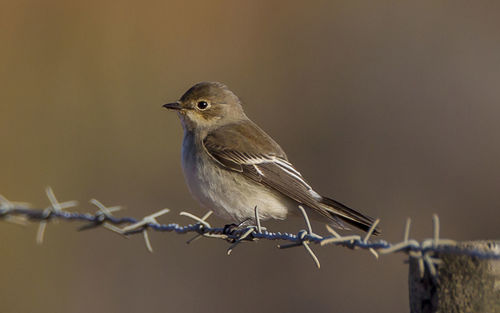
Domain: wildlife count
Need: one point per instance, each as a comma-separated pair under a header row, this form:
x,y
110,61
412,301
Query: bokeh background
x,y
392,107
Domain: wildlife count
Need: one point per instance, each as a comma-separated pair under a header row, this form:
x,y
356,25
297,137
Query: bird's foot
x,y
246,224
230,228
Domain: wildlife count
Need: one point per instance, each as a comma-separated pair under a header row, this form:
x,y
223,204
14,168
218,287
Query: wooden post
x,y
463,284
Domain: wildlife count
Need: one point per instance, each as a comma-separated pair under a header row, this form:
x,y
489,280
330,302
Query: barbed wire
x,y
424,251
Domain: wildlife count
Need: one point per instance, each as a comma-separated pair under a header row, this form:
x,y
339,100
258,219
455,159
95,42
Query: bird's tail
x,y
348,215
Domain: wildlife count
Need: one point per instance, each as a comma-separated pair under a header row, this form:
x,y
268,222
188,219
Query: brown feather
x,y
234,146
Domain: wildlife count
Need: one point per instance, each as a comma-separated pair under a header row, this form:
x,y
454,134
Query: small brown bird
x,y
231,165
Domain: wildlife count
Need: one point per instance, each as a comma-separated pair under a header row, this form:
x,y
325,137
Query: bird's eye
x,y
202,105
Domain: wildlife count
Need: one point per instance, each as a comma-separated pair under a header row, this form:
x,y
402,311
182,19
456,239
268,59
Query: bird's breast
x,y
203,177
191,166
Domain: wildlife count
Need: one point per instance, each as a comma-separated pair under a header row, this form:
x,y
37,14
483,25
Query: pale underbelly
x,y
229,194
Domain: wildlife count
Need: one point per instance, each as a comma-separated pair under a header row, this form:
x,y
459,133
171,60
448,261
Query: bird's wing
x,y
245,148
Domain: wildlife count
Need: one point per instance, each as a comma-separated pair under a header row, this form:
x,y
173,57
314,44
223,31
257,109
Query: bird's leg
x,y
248,223
245,223
246,232
229,228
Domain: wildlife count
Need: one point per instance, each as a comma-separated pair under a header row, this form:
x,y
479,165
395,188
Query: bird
x,y
231,165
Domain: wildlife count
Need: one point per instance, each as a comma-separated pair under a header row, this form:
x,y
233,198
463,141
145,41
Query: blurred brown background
x,y
406,96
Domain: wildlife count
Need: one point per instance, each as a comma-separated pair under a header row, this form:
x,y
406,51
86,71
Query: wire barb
x,y
143,225
196,218
7,206
101,216
55,208
407,230
303,239
257,219
202,222
338,239
368,235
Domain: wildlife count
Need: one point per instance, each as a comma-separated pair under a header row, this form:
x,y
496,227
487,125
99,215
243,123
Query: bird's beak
x,y
173,106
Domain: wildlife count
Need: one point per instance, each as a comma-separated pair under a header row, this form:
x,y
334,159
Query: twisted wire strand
x,y
424,251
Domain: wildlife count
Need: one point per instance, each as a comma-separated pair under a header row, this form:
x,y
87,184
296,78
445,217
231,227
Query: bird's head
x,y
207,105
